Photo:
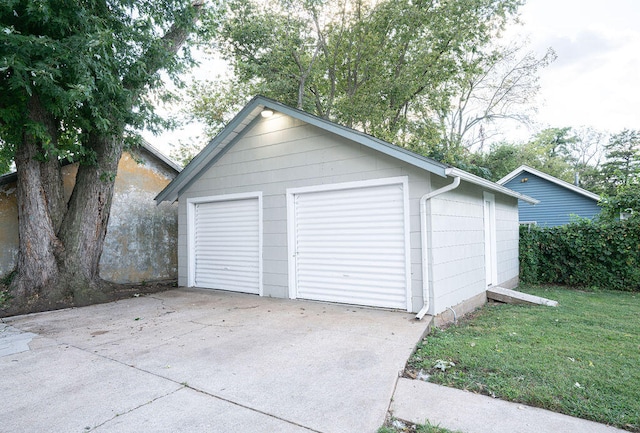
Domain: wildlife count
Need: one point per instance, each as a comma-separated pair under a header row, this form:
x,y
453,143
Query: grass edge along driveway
x,y
581,358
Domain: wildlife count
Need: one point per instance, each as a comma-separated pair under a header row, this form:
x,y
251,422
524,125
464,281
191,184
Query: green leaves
x,y
89,64
622,167
603,255
624,203
386,69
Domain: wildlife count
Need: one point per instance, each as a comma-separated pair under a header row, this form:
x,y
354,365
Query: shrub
x,y
585,253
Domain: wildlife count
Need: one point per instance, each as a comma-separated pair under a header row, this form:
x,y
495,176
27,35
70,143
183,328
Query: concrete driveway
x,y
191,360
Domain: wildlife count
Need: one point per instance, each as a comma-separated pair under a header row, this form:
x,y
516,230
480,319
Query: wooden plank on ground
x,y
509,296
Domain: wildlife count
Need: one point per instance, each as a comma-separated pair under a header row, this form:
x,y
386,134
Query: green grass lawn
x,y
417,429
581,358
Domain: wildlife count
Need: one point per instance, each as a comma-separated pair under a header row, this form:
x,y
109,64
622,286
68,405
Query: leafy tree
x,y
555,141
546,151
386,69
585,154
622,165
549,151
625,201
497,85
184,152
500,160
75,76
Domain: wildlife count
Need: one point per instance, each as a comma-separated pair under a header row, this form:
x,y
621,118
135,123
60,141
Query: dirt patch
x,y
111,291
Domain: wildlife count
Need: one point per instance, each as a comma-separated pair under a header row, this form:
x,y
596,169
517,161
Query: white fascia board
x,y
549,178
477,180
511,175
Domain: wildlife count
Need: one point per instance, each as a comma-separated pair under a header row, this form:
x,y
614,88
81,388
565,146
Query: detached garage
x,y
282,203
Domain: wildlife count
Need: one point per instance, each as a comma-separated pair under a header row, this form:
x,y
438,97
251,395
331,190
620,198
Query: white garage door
x,y
351,245
226,245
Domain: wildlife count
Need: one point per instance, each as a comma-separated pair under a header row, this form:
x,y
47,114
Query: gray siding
x,y
557,203
457,246
279,153
507,238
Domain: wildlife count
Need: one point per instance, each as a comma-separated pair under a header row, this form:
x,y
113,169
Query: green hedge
x,y
585,253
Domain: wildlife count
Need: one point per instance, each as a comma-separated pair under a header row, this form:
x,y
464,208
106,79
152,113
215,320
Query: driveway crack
x,y
133,409
270,415
184,385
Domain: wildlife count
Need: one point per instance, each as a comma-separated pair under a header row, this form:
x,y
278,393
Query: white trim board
x,y
490,244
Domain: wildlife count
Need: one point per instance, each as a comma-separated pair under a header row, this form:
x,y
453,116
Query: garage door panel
x,y
227,245
351,246
335,293
362,277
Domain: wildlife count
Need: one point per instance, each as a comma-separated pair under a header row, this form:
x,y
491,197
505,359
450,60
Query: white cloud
x,y
595,80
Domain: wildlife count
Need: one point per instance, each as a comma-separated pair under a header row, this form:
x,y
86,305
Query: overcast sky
x,y
595,80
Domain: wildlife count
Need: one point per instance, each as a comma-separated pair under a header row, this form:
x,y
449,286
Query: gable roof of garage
x,y
250,114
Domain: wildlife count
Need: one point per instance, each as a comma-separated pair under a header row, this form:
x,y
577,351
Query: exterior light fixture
x,y
266,112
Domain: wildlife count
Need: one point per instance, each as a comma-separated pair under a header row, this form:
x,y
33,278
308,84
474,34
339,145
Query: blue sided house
x,y
559,200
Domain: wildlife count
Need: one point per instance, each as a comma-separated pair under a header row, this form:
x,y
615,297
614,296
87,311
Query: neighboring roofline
x,y
245,118
161,156
550,178
13,176
8,178
477,180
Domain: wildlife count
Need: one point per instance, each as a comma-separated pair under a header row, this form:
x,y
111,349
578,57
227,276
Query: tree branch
x,y
156,57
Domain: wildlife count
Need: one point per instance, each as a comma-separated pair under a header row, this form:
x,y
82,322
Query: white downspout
x,y
423,241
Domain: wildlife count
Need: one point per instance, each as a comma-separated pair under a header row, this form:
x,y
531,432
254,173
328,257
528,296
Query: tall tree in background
x,y
387,69
586,153
547,151
622,165
498,85
74,76
550,152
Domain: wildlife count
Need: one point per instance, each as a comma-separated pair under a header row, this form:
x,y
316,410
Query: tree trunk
x,y
60,243
37,268
51,176
85,225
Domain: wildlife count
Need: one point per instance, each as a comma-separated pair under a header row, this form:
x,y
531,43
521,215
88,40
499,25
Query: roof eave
x,y
161,156
202,159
